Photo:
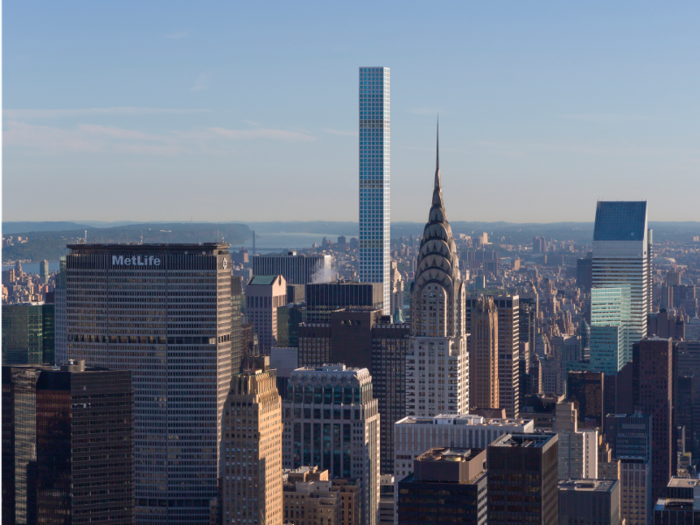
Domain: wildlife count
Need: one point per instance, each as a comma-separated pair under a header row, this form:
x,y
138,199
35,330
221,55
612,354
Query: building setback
x,y
68,445
414,435
164,312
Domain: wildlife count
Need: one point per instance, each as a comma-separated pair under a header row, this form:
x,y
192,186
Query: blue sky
x,y
247,111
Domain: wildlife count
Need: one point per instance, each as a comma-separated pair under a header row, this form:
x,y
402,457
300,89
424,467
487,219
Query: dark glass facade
x,y
70,435
28,334
523,479
323,298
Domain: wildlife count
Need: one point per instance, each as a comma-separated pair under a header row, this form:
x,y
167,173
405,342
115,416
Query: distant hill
x,y
51,245
13,228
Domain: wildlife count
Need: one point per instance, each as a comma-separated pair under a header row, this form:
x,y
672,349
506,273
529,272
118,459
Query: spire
x,y
437,156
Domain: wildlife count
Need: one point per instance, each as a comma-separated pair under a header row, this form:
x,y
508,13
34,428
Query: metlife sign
x,y
135,260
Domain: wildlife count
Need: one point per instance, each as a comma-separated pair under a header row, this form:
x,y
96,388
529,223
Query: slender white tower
x,y
375,260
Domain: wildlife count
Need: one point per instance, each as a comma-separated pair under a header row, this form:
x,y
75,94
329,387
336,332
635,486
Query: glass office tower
x,y
622,256
375,163
610,327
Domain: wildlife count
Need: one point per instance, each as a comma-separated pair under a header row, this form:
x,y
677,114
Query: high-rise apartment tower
x,y
375,162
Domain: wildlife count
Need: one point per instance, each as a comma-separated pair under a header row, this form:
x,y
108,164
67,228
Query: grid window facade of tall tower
x,y
375,161
164,312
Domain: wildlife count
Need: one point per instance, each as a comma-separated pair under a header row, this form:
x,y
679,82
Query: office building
x,y
284,361
414,435
251,448
295,268
237,302
164,312
388,369
653,371
610,329
589,502
578,449
508,354
264,295
309,498
350,494
375,176
483,355
324,298
289,318
386,499
44,271
448,485
522,479
586,391
630,438
669,511
437,364
331,420
689,364
60,336
622,257
68,445
584,274
28,334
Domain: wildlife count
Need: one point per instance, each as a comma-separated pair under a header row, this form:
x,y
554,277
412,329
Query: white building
x,y
375,257
578,449
437,363
622,256
415,435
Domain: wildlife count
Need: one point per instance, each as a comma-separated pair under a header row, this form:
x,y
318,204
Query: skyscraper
x,y
164,312
508,354
375,258
483,355
622,256
331,420
264,294
522,479
251,448
68,445
437,364
610,329
28,334
295,268
653,380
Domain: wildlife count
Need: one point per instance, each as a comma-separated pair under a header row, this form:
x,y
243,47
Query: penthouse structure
x,y
162,311
295,268
414,435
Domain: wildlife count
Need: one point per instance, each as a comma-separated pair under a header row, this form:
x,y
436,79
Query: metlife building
x,y
164,312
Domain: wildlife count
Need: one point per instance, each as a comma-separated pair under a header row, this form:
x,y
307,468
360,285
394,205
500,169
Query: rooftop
x,y
587,485
538,440
620,221
263,280
683,482
139,247
465,419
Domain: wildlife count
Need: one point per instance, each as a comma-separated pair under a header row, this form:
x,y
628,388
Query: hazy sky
x,y
224,111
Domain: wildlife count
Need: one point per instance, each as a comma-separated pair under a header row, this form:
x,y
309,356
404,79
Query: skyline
x,y
543,112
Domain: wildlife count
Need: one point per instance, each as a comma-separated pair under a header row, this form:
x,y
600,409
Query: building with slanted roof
x,y
264,294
